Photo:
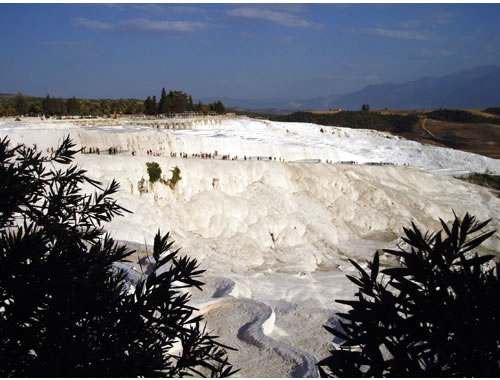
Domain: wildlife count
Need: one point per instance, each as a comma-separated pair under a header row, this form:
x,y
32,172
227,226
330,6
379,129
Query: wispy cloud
x,y
143,25
391,33
295,105
410,23
163,26
93,25
275,16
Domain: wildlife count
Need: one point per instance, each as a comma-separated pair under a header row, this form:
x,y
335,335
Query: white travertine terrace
x,y
275,235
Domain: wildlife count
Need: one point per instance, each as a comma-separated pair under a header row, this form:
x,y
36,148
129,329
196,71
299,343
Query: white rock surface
x,y
275,236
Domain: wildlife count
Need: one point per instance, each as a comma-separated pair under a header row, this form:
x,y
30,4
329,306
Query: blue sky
x,y
237,50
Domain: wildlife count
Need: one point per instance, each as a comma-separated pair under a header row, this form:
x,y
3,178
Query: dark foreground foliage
x,y
355,119
493,110
460,116
435,316
65,308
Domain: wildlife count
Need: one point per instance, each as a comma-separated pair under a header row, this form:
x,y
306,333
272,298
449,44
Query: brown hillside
x,y
477,138
482,139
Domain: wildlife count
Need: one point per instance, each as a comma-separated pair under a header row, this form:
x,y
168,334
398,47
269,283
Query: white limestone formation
x,y
275,236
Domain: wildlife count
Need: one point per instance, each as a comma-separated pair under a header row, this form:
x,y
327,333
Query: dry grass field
x,y
480,113
477,138
329,112
386,111
389,111
480,138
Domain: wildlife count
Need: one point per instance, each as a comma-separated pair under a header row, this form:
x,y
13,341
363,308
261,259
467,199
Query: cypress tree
x,y
48,106
21,105
147,106
190,103
163,107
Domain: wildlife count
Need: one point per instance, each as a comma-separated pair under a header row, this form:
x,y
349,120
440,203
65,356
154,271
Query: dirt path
x,y
429,132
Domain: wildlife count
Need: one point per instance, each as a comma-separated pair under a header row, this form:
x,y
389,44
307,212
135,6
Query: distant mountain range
x,y
474,88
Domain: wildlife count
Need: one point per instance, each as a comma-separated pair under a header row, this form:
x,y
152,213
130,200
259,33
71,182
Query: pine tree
x,y
219,107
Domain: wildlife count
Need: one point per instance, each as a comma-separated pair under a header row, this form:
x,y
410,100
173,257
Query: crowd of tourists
x,y
205,156
212,156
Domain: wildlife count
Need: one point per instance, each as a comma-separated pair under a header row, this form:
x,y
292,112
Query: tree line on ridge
x,y
173,102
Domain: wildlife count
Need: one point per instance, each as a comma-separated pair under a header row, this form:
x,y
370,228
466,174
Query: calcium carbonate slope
x,y
275,237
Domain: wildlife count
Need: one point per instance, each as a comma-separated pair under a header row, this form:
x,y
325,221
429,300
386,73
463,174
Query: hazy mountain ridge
x,y
473,88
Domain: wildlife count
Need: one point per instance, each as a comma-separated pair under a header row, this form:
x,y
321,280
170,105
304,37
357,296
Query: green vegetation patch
x,y
459,116
493,110
176,177
355,119
154,171
487,180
